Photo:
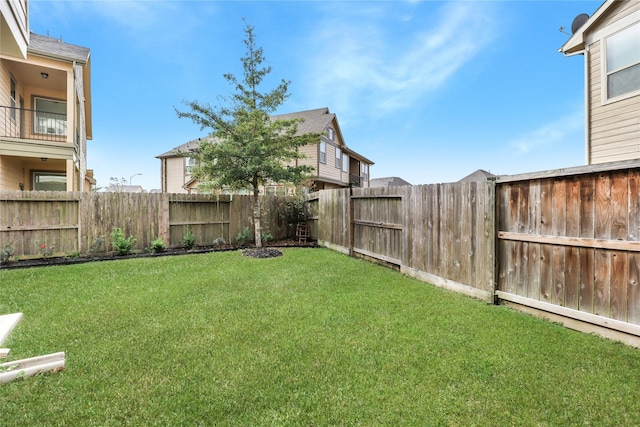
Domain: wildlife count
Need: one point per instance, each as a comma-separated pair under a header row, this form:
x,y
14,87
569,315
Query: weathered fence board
x,y
72,223
430,231
587,232
29,221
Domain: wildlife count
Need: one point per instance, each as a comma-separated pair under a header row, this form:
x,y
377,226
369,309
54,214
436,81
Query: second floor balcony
x,y
21,123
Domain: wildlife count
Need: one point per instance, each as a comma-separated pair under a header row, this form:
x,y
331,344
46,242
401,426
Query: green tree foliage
x,y
247,147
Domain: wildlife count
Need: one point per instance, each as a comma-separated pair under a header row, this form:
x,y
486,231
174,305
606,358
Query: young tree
x,y
247,147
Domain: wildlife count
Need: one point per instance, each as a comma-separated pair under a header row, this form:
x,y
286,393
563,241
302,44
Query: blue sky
x,y
429,90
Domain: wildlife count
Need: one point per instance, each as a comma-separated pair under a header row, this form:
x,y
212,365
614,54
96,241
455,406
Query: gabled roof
x,y
117,188
55,48
576,42
315,121
187,147
390,181
477,176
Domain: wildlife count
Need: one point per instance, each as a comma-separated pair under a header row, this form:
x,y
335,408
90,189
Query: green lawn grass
x,y
309,338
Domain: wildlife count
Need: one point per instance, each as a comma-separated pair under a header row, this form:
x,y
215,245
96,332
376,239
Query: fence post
x,y
491,225
351,222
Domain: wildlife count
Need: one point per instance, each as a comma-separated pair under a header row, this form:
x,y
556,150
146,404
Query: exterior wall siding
x,y
311,155
622,9
614,127
12,174
175,175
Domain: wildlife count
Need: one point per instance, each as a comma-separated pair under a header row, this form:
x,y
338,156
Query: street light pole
x,y
131,177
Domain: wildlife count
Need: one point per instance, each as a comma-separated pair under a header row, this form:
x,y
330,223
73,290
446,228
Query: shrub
x,y
158,246
267,237
189,240
7,253
121,245
244,237
219,242
97,246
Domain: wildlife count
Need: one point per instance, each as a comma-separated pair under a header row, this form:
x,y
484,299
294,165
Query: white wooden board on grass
x,y
7,323
28,367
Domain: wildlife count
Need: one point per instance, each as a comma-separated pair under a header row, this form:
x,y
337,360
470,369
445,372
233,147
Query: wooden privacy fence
x,y
569,243
74,222
440,233
566,243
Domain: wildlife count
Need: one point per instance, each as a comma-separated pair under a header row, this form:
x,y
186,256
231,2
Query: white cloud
x,y
550,134
391,58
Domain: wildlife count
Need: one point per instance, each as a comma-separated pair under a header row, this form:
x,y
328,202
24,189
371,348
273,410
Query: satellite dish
x,y
578,22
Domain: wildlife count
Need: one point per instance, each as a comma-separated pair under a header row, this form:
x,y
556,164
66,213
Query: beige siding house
x,y
609,40
45,107
334,164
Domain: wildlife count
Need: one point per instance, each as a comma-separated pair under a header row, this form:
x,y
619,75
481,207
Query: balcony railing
x,y
32,124
355,181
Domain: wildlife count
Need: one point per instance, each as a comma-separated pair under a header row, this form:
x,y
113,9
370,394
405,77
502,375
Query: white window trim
x,y
345,163
602,36
189,164
59,131
13,101
35,173
321,152
338,158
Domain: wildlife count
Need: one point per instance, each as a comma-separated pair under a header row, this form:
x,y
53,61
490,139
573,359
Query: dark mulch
x,y
262,253
269,252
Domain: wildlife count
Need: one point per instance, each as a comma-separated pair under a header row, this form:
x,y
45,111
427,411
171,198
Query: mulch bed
x,y
264,252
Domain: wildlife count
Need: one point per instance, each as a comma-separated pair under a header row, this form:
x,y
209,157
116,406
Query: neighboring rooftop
x,y
315,121
56,48
477,176
183,149
390,181
117,188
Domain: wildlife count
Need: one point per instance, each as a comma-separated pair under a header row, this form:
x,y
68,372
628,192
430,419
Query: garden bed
x,y
68,260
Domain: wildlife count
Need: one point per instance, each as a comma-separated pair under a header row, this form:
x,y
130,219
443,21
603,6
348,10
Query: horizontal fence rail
x,y
563,243
78,223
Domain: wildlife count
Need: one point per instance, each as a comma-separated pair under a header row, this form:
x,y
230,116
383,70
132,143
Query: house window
x,y
364,172
49,181
338,158
345,163
50,117
12,95
331,134
189,164
623,62
323,152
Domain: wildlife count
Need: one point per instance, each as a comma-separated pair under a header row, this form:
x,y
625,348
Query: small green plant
x,y
7,253
244,237
46,250
97,246
158,246
189,240
219,241
121,245
267,237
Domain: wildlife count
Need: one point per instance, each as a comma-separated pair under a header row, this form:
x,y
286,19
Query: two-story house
x,y
609,40
45,107
334,164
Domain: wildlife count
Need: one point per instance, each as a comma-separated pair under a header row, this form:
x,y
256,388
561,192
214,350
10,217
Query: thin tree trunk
x,y
256,216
